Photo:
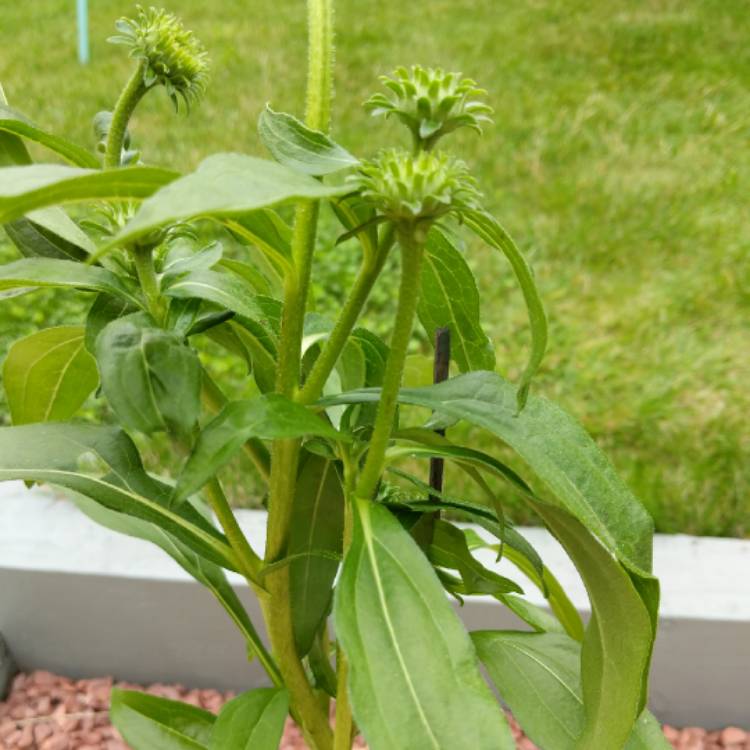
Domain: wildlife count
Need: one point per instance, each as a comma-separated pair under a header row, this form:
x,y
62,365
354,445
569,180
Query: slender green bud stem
x,y
126,104
143,259
408,295
368,274
320,64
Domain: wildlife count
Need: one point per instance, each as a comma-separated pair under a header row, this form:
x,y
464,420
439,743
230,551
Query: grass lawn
x,y
619,161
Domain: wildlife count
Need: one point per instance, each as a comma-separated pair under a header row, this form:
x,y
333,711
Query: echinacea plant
x,y
361,555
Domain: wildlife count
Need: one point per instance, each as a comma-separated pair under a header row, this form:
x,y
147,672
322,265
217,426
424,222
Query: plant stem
x,y
250,563
285,453
129,98
143,259
408,295
368,274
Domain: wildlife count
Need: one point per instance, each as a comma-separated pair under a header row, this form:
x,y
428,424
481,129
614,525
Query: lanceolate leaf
x,y
317,524
576,473
488,229
449,299
538,676
227,290
48,375
251,721
49,233
614,658
224,186
414,681
103,464
147,722
23,189
17,124
268,417
296,146
28,273
150,377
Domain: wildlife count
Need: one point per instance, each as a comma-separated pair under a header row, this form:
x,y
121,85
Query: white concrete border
x,y
80,599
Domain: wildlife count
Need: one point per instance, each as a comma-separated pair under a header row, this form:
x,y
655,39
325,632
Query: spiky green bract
x,y
173,57
414,191
431,103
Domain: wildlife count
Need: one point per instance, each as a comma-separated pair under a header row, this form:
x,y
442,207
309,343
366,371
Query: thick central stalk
x,y
285,453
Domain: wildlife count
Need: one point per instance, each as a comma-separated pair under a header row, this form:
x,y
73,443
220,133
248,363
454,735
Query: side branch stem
x,y
408,295
126,104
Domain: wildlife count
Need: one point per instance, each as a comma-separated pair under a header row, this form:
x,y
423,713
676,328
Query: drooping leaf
x,y
29,273
317,524
48,375
182,259
49,233
267,232
376,355
26,188
618,640
251,721
103,464
449,299
205,572
538,675
150,377
414,680
15,123
223,186
147,722
488,228
267,417
576,473
295,145
249,273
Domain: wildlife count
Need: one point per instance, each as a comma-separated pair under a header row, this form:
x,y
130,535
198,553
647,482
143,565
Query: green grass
x,y
619,161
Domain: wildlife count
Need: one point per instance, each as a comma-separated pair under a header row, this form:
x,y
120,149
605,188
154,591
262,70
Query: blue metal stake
x,y
83,31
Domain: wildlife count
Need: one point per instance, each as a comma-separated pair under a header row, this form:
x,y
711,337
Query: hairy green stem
x,y
249,562
143,259
368,274
126,104
285,453
408,295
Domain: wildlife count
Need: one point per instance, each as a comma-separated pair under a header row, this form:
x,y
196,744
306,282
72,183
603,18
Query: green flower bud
x,y
415,191
431,103
171,54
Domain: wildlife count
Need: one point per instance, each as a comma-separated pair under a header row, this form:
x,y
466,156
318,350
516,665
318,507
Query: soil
x,y
45,711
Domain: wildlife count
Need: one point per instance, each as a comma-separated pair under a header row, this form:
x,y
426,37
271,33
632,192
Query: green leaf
x,y
103,311
267,417
223,186
25,188
414,679
265,230
150,377
15,123
618,640
538,676
102,463
376,355
487,228
205,572
147,722
449,299
564,457
228,291
317,524
249,273
295,145
449,549
49,233
48,375
252,721
28,273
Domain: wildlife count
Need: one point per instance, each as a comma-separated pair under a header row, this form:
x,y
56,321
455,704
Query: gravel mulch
x,y
45,711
